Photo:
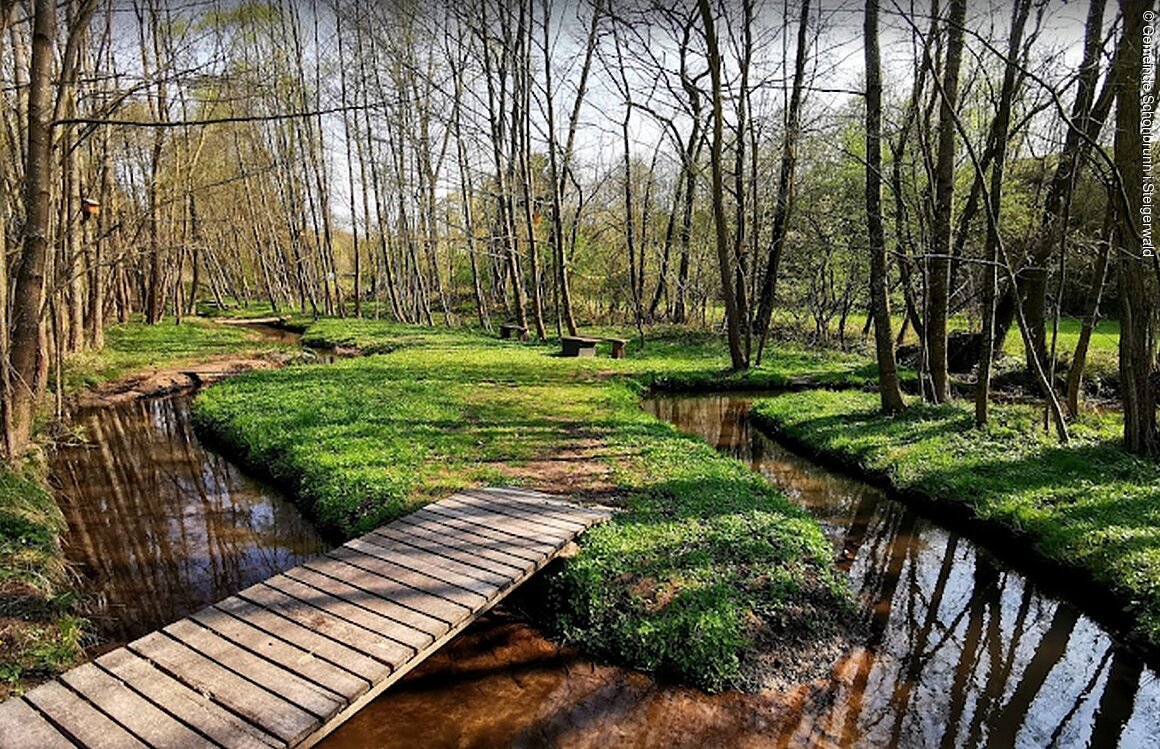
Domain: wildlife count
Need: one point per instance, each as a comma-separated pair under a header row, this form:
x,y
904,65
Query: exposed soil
x,y
580,470
175,378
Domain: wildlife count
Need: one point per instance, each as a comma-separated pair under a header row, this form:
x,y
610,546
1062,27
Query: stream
x,y
962,651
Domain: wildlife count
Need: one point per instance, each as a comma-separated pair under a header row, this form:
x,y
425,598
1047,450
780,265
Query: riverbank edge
x,y
39,645
832,639
1100,599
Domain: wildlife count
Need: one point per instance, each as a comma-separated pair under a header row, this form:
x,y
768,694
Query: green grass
x,y
1087,504
38,637
671,357
30,526
135,347
704,555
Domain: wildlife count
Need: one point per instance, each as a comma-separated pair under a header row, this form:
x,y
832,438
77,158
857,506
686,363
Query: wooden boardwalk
x,y
284,662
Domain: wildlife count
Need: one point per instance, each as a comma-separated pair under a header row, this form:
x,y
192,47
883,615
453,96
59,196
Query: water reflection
x,y
162,526
962,652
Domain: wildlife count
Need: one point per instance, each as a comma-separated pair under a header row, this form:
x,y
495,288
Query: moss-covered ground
x,y
1086,504
703,555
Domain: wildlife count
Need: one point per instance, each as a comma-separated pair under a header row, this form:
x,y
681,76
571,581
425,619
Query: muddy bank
x,y
173,379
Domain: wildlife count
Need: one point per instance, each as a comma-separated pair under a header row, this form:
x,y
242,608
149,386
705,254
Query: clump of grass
x,y
30,528
704,553
38,635
1087,504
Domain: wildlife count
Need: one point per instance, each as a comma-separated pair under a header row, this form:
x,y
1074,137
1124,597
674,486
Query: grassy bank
x,y
1087,504
705,558
38,636
135,347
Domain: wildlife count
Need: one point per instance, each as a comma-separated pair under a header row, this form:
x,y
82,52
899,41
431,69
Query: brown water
x,y
961,653
159,525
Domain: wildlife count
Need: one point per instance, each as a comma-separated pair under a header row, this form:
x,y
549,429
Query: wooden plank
x,y
545,504
515,544
473,555
475,546
439,527
336,604
454,586
441,557
290,657
78,719
597,514
506,523
501,509
129,709
524,511
193,708
259,706
417,590
558,528
21,727
427,578
413,628
312,642
319,701
275,596
283,662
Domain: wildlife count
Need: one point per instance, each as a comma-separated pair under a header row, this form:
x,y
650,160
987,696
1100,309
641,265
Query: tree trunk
x,y
1000,130
938,265
1091,314
781,210
26,352
889,389
1137,299
717,193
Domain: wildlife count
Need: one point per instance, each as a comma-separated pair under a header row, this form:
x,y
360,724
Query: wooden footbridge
x,y
282,663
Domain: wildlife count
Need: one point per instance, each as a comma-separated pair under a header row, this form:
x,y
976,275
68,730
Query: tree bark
x,y
938,264
781,211
889,390
717,192
27,353
1000,130
1137,299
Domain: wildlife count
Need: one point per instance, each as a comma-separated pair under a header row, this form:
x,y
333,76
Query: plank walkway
x,y
284,662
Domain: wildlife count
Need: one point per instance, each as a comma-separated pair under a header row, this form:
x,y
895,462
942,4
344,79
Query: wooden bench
x,y
586,346
579,345
506,330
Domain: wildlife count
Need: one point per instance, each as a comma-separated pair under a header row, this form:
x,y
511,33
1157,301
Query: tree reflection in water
x,y
159,525
962,652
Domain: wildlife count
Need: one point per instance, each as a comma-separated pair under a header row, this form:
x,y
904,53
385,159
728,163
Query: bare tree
x,y
889,389
725,257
